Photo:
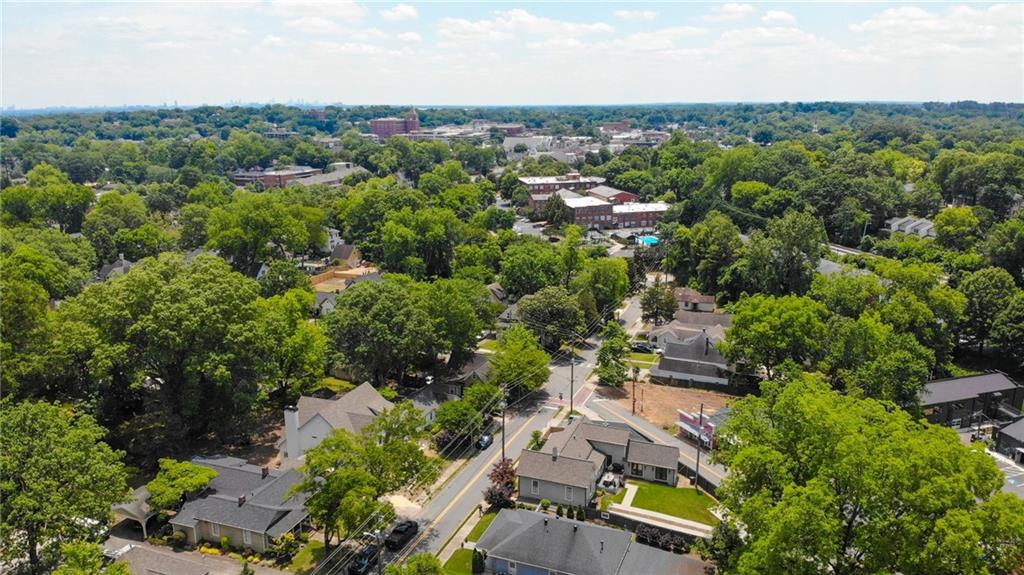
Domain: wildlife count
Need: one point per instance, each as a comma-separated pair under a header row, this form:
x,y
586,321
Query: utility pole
x,y
572,372
700,439
636,373
503,406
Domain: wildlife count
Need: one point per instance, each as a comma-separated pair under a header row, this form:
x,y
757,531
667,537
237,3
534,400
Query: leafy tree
x,y
607,279
519,363
553,315
83,558
483,396
768,330
658,303
503,484
822,482
26,327
192,221
281,276
848,293
428,235
1008,328
528,266
956,228
988,293
1004,247
48,197
715,246
113,212
458,419
379,328
418,564
556,212
460,309
611,358
339,498
60,480
177,479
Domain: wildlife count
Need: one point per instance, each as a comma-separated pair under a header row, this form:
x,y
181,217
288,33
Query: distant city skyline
x,y
108,55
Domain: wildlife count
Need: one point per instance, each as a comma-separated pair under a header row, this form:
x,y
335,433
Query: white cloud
x,y
368,34
663,39
344,10
166,45
636,14
778,18
730,11
400,12
314,25
506,25
914,31
410,37
353,48
274,41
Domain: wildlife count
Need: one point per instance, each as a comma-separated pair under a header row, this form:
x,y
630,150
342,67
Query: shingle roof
x,y
643,559
607,192
352,411
561,545
703,318
117,267
964,388
145,561
690,295
684,368
1014,430
701,347
342,251
563,470
653,454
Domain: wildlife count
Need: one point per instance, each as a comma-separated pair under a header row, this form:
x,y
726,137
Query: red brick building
x,y
549,184
590,212
612,195
386,127
638,215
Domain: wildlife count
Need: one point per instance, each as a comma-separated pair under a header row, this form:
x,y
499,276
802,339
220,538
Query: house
x,y
612,195
531,543
249,505
325,302
539,200
142,560
694,359
1010,441
692,300
687,324
473,371
694,425
346,255
568,467
702,319
497,293
920,227
959,402
432,396
333,239
118,267
313,419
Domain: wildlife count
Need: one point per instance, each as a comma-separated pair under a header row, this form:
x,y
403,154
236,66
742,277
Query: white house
x,y
313,419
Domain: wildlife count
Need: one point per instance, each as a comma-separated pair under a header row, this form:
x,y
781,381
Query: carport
x,y
138,509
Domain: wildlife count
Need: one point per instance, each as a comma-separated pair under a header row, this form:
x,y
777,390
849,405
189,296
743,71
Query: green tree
x,y
658,303
553,315
611,357
988,293
767,330
848,293
83,558
715,246
529,266
822,482
177,479
483,396
458,418
519,363
607,279
428,234
418,564
281,276
555,211
1008,328
60,480
956,228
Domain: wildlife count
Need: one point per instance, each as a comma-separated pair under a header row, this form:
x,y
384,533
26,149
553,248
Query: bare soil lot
x,y
658,403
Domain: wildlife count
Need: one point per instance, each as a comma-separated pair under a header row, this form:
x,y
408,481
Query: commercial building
x,y
590,212
989,399
273,177
637,215
537,202
386,127
573,181
612,195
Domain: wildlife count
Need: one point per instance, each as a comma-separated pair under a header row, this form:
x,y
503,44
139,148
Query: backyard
x,y
682,502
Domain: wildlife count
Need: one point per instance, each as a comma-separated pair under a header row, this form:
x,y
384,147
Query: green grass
x,y
685,503
643,358
607,500
489,344
460,563
305,559
481,526
336,385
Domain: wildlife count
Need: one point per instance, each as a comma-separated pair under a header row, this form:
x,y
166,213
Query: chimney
x,y
241,500
264,471
554,455
291,432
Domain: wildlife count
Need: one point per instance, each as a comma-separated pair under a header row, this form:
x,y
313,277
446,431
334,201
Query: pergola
x,y
137,509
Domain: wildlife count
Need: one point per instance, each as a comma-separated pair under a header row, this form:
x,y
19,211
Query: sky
x,y
532,53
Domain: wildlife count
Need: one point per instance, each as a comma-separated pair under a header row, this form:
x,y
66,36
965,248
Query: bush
x,y
545,503
478,562
178,538
225,542
559,511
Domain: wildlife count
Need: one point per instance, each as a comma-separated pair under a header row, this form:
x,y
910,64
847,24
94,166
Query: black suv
x,y
364,561
401,535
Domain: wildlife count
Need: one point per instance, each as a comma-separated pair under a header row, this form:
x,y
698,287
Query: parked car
x,y
641,347
485,441
401,534
364,561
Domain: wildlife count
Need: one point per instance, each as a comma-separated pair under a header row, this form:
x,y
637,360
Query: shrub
x,y
559,511
478,562
178,538
545,503
225,542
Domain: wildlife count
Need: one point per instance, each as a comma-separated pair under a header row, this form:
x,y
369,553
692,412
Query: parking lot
x,y
1014,474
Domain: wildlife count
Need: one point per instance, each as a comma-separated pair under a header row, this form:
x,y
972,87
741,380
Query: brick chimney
x,y
264,472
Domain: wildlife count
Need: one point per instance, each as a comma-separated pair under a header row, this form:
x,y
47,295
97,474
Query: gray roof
x,y
476,368
655,454
684,369
562,193
342,251
118,267
370,277
704,318
560,470
606,192
964,388
324,298
1014,430
330,178
268,507
646,559
561,545
702,347
138,508
146,561
352,411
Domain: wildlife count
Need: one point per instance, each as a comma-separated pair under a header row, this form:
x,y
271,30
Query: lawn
x,y
489,344
481,526
607,500
642,360
685,503
460,563
305,559
336,385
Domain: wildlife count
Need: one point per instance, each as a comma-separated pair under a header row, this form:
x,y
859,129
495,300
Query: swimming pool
x,y
647,240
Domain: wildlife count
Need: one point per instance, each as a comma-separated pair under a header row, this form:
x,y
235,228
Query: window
x,y
568,493
636,469
534,486
661,474
215,529
247,537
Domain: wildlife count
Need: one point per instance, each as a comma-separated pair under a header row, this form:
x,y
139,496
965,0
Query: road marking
x,y
709,470
486,468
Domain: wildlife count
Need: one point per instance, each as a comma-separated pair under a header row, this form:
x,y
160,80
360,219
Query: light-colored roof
x,y
352,411
639,207
607,191
146,561
585,202
655,454
532,180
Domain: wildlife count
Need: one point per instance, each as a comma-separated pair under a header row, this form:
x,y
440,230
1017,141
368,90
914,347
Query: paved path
x,y
662,520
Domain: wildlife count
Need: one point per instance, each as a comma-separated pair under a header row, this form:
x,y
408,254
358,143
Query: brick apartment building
x,y
386,127
612,195
637,215
573,182
537,202
273,177
590,212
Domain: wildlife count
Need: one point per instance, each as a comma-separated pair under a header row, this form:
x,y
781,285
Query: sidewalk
x,y
660,519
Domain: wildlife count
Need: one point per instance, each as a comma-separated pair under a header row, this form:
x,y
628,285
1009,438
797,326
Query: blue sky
x,y
89,53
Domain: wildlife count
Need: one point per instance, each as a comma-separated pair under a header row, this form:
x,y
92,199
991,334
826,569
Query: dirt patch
x,y
658,403
260,449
